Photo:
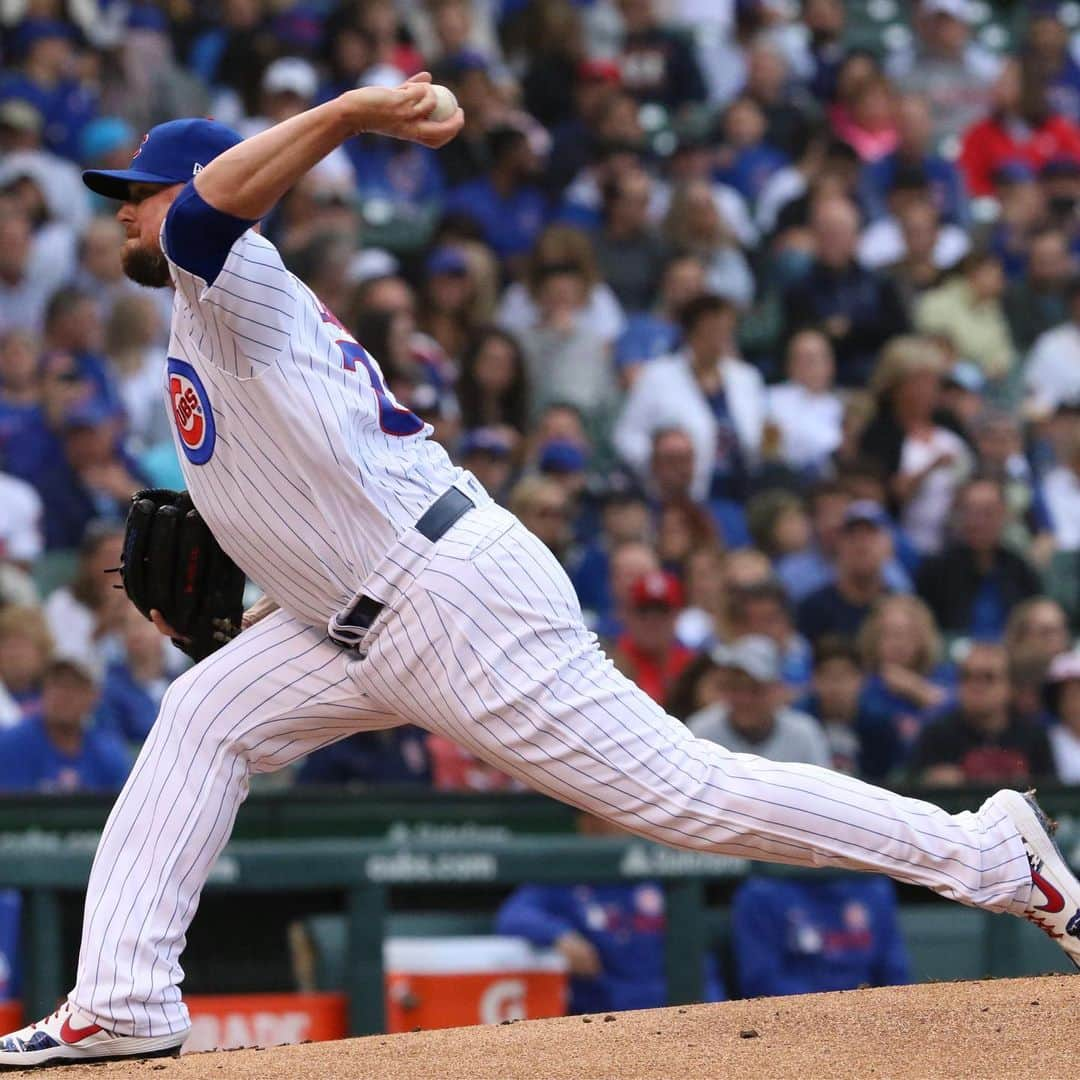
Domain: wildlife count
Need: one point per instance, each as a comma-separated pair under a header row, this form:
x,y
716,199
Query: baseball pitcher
x,y
401,594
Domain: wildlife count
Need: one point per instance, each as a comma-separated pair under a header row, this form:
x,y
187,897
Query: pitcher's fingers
x,y
436,133
163,627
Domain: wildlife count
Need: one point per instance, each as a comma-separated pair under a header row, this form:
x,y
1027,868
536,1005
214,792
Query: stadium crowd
x,y
764,316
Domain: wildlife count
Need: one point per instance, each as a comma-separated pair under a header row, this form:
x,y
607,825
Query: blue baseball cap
x,y
561,456
446,260
866,512
485,440
89,413
170,153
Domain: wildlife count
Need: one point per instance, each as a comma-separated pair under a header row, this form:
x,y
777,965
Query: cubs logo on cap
x,y
191,411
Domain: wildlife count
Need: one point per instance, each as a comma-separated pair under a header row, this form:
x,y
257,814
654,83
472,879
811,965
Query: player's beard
x,y
145,267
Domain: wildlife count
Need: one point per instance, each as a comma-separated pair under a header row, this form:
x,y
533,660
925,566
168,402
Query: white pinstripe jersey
x,y
301,462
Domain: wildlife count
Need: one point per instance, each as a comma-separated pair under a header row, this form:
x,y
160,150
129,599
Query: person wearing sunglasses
x,y
981,741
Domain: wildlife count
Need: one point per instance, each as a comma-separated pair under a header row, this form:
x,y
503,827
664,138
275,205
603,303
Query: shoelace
x,y
55,1016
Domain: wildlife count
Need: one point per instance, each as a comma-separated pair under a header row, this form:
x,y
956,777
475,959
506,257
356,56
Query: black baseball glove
x,y
173,564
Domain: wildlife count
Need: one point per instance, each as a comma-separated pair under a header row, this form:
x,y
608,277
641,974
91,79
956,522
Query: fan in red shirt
x,y
648,651
1020,129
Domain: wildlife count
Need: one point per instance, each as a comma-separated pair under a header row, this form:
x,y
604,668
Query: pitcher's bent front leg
x,y
275,693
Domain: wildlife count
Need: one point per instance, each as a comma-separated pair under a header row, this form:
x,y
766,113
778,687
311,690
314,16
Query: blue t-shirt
x,y
906,718
646,337
988,612
66,109
729,517
1063,90
588,570
401,173
805,935
826,611
95,370
627,925
70,506
946,187
128,708
396,756
510,224
30,762
875,748
27,444
750,170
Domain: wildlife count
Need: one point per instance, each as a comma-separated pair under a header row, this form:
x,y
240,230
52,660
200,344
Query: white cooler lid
x,y
466,955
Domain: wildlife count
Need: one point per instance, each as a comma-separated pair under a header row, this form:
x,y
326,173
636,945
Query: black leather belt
x,y
434,523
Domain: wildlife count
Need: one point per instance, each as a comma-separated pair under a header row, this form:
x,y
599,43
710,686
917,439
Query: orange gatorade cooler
x,y
457,981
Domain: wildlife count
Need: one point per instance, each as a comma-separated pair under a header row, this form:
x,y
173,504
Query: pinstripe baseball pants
x,y
482,641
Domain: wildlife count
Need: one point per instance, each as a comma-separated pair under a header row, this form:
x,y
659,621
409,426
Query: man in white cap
x,y
751,718
288,87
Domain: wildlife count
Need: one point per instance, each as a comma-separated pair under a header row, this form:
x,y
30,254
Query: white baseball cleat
x,y
1055,900
70,1037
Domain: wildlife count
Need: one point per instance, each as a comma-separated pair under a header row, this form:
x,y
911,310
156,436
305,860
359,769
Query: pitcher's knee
x,y
200,712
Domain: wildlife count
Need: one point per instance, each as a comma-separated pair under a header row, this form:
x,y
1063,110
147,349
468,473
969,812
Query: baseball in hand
x,y
445,103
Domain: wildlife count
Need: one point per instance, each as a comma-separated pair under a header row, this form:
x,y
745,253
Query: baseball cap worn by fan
x,y
960,10
170,153
561,457
291,75
754,655
865,512
656,589
1063,668
485,440
446,260
90,413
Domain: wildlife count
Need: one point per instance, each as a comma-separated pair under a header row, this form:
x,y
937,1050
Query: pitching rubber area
x,y
999,1029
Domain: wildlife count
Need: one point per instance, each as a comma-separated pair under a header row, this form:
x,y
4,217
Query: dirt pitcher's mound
x,y
1010,1028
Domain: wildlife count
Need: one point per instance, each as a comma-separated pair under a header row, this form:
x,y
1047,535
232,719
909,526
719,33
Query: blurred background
x,y
763,315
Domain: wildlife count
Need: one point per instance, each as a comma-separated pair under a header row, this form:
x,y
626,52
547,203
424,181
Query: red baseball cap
x,y
657,588
599,71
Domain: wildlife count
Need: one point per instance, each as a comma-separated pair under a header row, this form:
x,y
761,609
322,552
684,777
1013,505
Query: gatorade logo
x,y
191,411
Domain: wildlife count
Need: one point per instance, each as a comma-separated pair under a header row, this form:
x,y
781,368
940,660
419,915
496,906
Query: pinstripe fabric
x,y
481,641
304,488
276,693
489,649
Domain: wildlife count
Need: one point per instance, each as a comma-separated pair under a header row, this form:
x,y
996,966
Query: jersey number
x,y
394,419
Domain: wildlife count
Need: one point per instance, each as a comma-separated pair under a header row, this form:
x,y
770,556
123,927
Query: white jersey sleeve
x,y
233,282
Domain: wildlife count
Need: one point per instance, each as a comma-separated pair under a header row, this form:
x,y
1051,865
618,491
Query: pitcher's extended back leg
x,y
491,652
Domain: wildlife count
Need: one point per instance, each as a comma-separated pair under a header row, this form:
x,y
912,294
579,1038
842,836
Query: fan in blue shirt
x,y
45,49
804,935
59,751
506,204
612,935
